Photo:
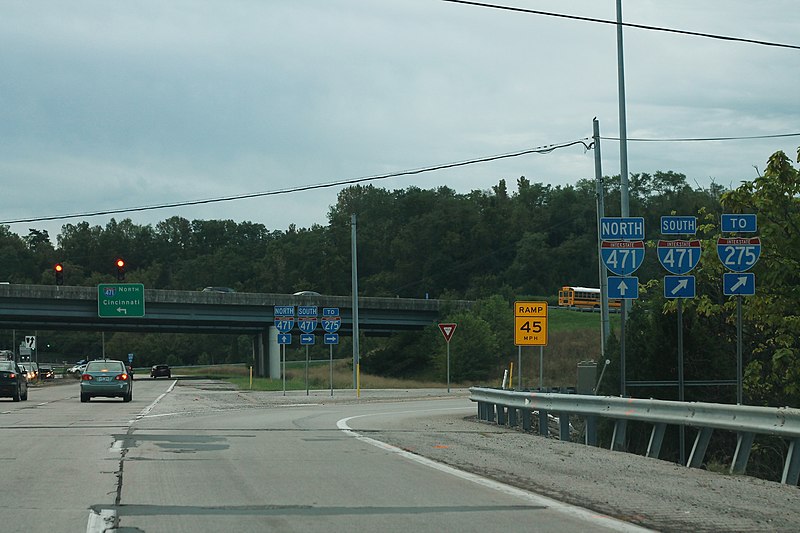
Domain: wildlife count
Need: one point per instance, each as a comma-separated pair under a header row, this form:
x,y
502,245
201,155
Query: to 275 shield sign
x,y
679,257
622,257
737,253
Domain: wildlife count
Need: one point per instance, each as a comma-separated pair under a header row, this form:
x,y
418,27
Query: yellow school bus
x,y
583,298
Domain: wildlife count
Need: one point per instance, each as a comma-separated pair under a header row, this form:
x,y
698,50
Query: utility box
x,y
587,377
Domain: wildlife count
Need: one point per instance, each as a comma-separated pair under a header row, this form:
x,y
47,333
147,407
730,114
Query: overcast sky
x,y
107,105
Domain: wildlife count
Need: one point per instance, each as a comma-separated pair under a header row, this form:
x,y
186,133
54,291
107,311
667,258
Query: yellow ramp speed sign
x,y
530,323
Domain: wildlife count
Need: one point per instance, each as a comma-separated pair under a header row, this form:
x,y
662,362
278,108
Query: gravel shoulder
x,y
655,494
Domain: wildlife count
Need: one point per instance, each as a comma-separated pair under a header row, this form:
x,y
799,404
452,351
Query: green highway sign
x,y
120,300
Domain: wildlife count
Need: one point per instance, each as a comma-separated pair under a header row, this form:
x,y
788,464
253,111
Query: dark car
x,y
46,372
160,371
13,381
108,379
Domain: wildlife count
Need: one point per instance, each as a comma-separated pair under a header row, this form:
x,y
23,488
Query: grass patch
x,y
318,377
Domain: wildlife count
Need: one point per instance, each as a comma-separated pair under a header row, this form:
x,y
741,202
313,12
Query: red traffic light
x,y
120,262
58,268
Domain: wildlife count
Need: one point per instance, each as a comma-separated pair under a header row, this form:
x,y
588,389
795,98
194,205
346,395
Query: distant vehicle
x,y
583,298
218,289
30,369
6,355
13,381
160,371
307,293
130,371
46,372
108,379
76,370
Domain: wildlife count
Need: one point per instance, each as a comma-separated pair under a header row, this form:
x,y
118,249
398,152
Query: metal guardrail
x,y
516,408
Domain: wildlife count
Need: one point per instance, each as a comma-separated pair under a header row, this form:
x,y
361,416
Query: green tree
x,y
773,314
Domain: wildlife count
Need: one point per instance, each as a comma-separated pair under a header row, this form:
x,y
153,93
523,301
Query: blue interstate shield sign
x,y
739,253
622,257
679,257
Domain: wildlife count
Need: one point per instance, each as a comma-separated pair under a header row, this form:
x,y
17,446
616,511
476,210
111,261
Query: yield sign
x,y
448,330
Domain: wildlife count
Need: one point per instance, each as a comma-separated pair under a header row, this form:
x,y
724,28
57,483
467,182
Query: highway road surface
x,y
200,456
197,456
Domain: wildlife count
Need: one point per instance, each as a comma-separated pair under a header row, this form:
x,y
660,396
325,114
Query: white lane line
x,y
150,407
531,497
105,520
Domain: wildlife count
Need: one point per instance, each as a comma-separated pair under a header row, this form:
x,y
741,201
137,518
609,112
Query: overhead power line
x,y
538,150
706,139
627,24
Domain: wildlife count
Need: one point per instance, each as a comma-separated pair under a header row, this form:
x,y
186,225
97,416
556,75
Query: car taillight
x,y
122,377
11,375
86,377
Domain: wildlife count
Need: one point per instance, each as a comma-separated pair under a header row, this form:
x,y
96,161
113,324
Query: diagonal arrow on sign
x,y
682,284
740,283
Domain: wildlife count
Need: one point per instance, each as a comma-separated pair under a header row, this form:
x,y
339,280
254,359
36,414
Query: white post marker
x,y
447,331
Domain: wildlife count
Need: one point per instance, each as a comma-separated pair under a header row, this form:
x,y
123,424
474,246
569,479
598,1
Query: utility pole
x,y
354,270
605,326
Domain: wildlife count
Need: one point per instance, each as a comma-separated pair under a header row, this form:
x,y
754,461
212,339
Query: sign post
x,y
530,329
739,254
622,252
284,322
331,322
307,322
679,257
447,331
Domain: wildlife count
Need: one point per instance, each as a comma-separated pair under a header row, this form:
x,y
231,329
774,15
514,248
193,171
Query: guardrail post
x,y
501,415
591,431
512,417
699,448
544,428
490,412
791,469
744,443
481,410
563,426
526,420
618,438
656,439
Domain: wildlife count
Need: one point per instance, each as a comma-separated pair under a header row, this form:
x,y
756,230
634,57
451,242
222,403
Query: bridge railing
x,y
516,409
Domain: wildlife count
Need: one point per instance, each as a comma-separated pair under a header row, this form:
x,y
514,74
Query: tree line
x,y
492,246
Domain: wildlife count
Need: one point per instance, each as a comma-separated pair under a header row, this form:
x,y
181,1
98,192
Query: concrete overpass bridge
x,y
46,307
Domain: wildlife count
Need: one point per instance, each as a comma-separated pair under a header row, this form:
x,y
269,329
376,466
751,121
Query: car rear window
x,y
104,366
7,365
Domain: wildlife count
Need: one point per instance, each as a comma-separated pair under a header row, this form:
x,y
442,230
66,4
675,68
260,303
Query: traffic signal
x,y
120,263
59,270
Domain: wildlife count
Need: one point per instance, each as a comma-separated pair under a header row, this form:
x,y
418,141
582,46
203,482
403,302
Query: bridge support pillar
x,y
258,355
274,354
